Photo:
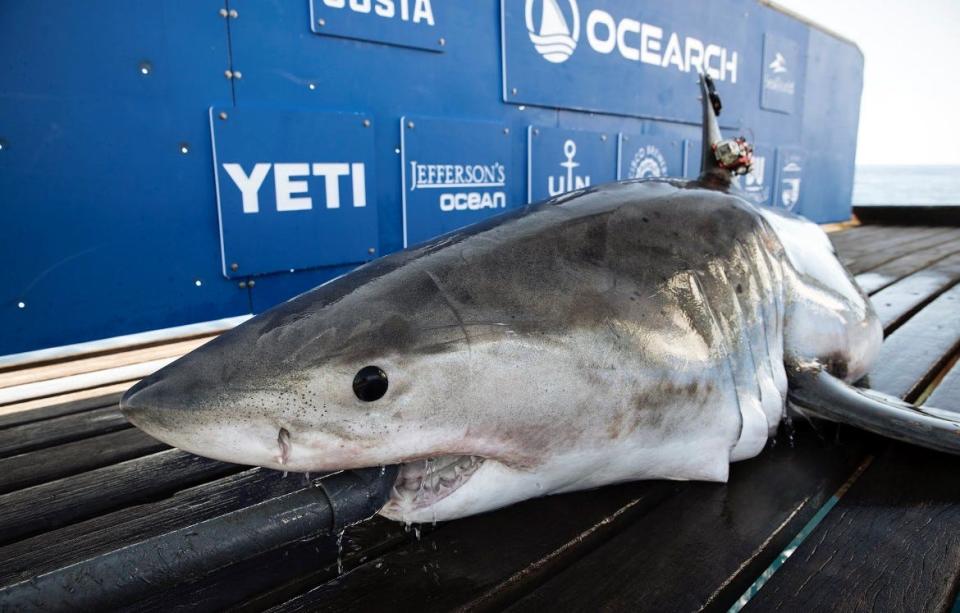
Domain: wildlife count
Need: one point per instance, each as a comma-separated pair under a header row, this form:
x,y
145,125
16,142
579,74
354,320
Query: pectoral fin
x,y
820,394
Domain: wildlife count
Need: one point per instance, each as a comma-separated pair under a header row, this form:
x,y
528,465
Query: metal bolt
x,y
514,91
372,250
410,125
506,130
521,108
603,137
397,150
184,148
366,123
536,132
321,22
312,86
223,115
442,41
237,74
234,266
223,12
21,305
145,68
626,138
228,73
3,144
198,282
234,13
242,284
251,283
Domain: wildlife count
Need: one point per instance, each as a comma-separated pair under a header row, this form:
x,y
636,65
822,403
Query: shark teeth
x,y
425,482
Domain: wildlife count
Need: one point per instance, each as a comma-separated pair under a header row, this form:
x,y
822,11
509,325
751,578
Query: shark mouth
x,y
423,483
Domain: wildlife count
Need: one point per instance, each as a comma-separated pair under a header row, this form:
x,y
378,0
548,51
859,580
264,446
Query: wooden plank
x,y
58,503
130,524
464,559
47,432
68,404
34,374
702,549
900,267
916,351
868,237
898,301
947,394
889,246
883,252
53,463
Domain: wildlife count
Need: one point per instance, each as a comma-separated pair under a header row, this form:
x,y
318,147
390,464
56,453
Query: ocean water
x,y
906,185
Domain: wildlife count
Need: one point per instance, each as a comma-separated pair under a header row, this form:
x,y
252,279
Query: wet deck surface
x,y
77,483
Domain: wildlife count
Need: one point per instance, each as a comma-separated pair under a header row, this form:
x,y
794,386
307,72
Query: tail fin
x,y
820,394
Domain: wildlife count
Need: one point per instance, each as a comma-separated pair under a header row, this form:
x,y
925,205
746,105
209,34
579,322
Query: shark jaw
x,y
422,484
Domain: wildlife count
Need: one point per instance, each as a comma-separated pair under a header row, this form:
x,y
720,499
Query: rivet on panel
x,y
223,115
251,283
242,285
514,91
234,13
603,137
366,123
184,148
237,74
3,144
21,305
146,68
312,86
321,22
442,41
223,12
506,130
198,282
372,250
410,125
228,73
234,266
536,132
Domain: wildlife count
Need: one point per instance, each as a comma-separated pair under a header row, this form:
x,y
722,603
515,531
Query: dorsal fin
x,y
710,169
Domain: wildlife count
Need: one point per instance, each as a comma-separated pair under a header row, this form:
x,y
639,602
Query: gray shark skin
x,y
632,331
649,329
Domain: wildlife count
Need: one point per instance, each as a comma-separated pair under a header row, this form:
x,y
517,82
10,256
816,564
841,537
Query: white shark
x,y
649,329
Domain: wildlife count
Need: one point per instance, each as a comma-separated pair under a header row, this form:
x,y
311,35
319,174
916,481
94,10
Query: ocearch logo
x,y
553,36
555,32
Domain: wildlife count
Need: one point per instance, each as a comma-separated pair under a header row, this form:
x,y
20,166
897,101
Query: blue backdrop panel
x,y
107,175
560,161
455,173
643,156
407,23
294,189
625,57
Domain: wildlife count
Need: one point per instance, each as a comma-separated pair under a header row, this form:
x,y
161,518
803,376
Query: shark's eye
x,y
370,383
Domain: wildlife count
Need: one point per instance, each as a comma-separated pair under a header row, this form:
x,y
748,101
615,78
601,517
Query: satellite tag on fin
x,y
722,158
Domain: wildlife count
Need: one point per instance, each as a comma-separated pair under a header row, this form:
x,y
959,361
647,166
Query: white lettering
x,y
601,18
472,201
335,4
385,8
730,66
331,174
285,187
359,176
249,186
422,11
673,54
693,57
650,44
713,51
360,6
628,26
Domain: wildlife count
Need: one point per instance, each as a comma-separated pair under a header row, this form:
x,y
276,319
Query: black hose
x,y
124,575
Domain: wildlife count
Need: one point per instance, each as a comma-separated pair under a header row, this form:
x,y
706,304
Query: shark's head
x,y
372,369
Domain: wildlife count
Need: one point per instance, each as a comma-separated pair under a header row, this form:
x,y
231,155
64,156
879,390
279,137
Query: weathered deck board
x,y
905,242
41,434
895,303
904,265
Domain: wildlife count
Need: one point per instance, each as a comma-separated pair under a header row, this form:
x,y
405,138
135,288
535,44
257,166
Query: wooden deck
x,y
78,484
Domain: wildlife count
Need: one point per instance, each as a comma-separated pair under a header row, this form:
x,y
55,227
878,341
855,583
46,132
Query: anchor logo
x,y
555,40
557,185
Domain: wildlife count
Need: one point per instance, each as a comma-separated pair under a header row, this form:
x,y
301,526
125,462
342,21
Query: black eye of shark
x,y
370,383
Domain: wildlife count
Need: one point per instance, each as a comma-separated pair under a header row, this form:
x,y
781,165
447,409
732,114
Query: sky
x,y
910,112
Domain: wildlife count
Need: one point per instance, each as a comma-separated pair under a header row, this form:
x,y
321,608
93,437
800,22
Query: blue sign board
x,y
455,173
626,57
757,185
782,69
642,156
404,23
559,161
294,189
790,162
